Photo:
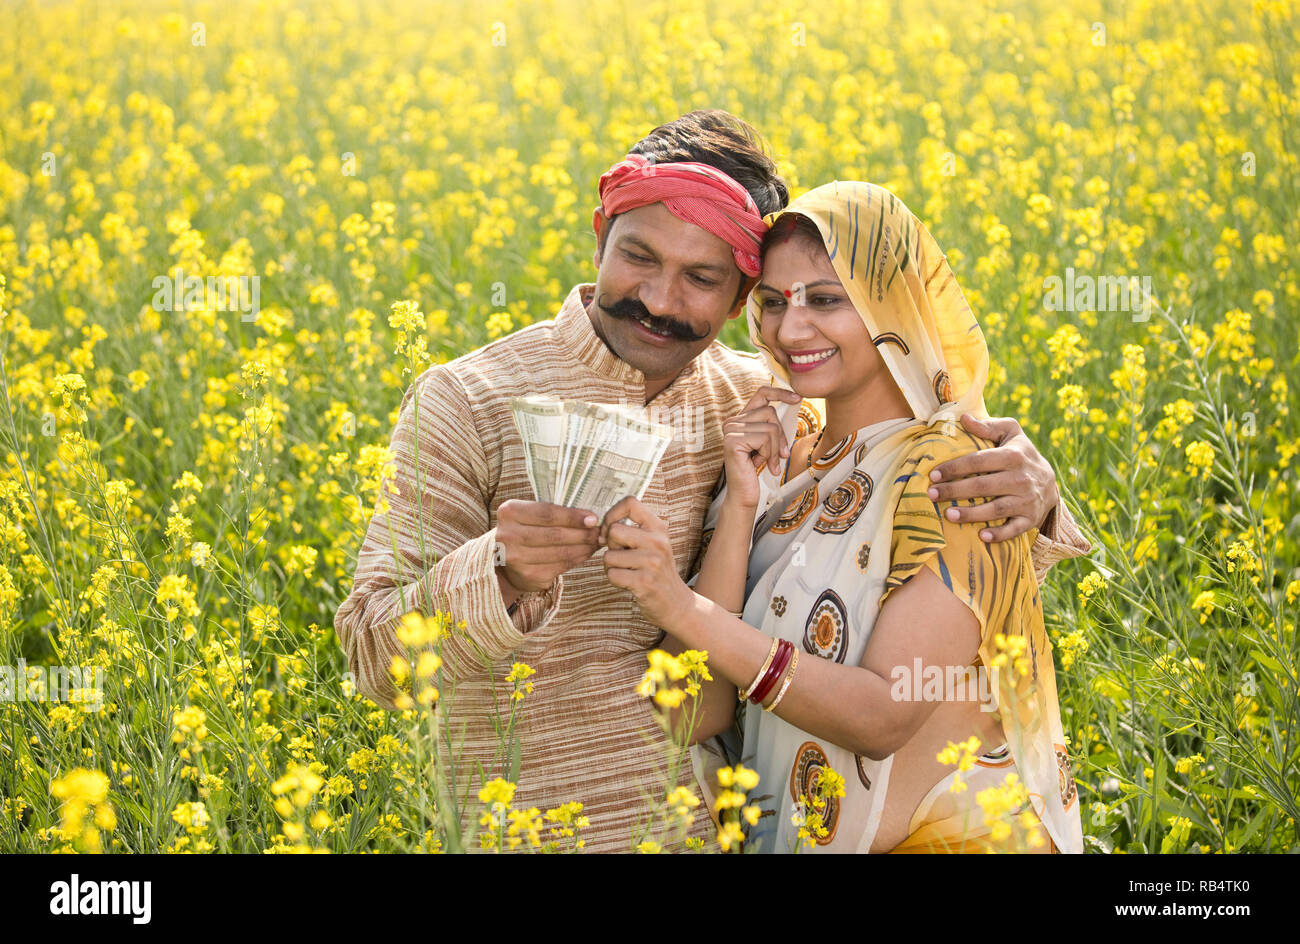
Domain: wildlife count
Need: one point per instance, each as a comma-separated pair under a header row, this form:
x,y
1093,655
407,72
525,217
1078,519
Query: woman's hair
x,y
794,226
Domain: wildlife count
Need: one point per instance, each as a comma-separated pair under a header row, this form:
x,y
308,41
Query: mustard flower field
x,y
185,477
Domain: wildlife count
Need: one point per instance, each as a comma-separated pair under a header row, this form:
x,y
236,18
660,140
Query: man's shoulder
x,y
507,349
738,372
741,360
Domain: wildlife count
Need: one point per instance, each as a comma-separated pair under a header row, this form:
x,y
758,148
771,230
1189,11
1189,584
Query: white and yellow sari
x,y
831,543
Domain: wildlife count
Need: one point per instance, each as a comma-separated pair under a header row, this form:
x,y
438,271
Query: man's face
x,y
664,289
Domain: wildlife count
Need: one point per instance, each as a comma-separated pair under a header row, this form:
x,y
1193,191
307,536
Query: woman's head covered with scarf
x,y
899,281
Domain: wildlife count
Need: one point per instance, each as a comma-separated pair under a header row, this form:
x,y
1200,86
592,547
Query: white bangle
x,y
794,663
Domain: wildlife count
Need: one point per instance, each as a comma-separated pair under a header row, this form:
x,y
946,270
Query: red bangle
x,y
785,650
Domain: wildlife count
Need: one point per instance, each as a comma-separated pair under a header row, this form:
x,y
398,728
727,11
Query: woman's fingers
x,y
748,450
630,507
614,533
765,438
629,558
765,395
617,513
762,414
753,441
761,411
626,536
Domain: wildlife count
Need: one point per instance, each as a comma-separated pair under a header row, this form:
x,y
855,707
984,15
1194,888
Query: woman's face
x,y
810,324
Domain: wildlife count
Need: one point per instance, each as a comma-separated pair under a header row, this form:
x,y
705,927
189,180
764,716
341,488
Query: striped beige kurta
x,y
585,734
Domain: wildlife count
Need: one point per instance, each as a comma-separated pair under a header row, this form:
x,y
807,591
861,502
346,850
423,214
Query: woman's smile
x,y
802,361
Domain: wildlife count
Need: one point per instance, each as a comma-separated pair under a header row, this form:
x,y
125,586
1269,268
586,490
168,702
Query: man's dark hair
x,y
720,139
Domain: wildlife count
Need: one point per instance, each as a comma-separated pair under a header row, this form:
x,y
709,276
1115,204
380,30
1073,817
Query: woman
x,y
841,557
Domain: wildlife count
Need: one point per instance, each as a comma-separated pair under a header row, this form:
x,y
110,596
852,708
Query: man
x,y
676,255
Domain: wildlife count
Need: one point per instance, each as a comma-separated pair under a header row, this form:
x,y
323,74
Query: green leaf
x,y
516,759
1269,663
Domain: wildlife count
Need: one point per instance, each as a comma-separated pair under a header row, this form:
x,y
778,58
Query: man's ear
x,y
598,223
747,283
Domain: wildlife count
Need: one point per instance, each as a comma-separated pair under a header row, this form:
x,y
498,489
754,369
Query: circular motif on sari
x,y
864,555
859,454
809,762
825,632
797,511
998,757
943,387
806,423
837,453
843,506
1066,779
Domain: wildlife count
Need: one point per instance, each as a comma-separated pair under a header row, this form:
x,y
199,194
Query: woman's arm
x,y
721,580
851,706
752,439
726,562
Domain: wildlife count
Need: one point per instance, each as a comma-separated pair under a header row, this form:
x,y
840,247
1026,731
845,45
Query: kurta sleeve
x,y
1059,539
432,549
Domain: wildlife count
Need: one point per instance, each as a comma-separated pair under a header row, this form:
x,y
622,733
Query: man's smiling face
x,y
664,289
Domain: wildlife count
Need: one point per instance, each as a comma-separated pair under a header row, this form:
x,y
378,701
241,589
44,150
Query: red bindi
x,y
787,293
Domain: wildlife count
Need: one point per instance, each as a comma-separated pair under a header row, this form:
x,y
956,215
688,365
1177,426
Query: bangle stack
x,y
776,674
762,673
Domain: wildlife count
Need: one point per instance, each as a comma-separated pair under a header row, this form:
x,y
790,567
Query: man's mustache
x,y
631,309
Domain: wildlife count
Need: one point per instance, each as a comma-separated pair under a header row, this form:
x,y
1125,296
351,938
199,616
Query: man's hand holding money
x,y
539,541
581,459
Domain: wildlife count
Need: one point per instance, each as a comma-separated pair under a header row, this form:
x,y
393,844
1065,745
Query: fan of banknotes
x,y
587,455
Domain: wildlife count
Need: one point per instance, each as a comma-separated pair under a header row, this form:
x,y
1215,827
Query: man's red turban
x,y
696,193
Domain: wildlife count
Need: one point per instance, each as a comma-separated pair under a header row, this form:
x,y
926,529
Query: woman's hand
x,y
751,439
640,558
